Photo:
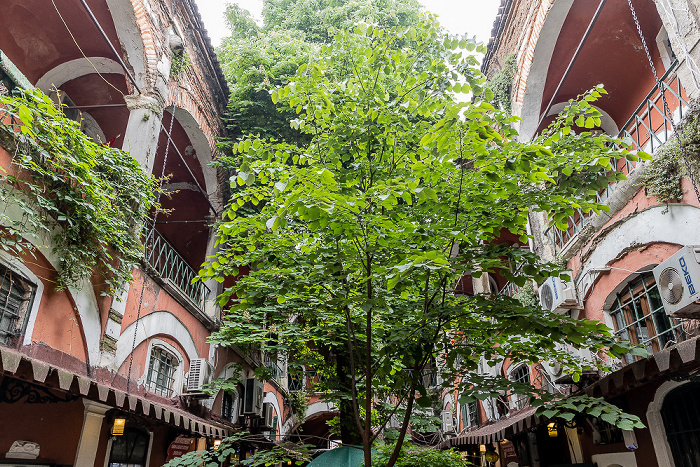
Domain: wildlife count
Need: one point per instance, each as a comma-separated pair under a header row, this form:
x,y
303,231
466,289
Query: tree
x,y
363,230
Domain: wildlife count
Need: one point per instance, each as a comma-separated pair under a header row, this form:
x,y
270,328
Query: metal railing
x,y
647,129
429,377
275,370
170,265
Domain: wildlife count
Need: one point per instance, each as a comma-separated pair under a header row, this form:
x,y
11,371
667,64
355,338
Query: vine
x,y
91,199
527,296
181,62
298,402
502,83
662,177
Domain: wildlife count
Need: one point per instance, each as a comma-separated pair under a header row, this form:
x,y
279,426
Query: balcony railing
x,y
275,370
429,377
647,129
171,266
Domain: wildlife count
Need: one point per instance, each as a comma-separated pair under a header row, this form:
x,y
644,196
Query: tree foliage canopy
x,y
398,190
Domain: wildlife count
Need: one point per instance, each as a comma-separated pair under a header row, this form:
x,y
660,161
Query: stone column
x,y
143,128
90,435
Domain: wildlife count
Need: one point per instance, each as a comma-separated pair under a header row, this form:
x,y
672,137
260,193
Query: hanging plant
x,y
662,176
90,199
502,84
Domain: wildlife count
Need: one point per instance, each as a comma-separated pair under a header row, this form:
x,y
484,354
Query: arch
x,y
271,397
73,69
656,424
606,121
82,294
320,407
535,62
137,40
153,324
179,373
667,223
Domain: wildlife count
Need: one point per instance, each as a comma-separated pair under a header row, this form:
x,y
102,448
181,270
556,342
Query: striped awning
x,y
500,429
135,402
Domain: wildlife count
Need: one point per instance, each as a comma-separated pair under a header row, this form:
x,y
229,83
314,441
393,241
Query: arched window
x,y
130,449
681,415
161,371
470,414
639,316
521,374
15,299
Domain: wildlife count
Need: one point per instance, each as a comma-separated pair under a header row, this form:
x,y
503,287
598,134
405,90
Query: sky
x,y
474,17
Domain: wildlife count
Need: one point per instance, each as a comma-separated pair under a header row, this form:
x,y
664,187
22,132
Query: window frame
x,y
470,413
178,373
28,305
149,449
519,401
632,308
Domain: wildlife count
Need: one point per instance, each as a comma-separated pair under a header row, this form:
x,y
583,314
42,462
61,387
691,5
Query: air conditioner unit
x,y
557,295
199,374
678,280
253,402
267,413
448,425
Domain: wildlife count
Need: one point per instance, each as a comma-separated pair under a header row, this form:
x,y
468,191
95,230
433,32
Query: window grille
x,y
161,372
15,296
520,375
227,406
639,316
470,414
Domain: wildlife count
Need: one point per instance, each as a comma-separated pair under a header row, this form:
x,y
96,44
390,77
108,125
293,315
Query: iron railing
x,y
647,129
170,265
272,365
429,377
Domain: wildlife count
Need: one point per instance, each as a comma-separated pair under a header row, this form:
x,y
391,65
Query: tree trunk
x,y
349,434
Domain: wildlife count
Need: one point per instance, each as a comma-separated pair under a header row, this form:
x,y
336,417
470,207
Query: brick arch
x,y
182,99
138,40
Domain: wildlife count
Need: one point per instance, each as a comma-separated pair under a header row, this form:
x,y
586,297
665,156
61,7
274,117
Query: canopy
x,y
344,456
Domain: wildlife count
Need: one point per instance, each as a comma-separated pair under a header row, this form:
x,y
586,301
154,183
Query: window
x,y
227,406
470,414
639,316
161,371
130,449
520,375
15,298
681,416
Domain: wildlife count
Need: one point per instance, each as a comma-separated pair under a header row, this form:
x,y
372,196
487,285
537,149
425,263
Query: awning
x,y
496,431
137,401
676,360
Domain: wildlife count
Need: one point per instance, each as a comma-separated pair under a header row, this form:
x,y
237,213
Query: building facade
x,y
561,49
140,75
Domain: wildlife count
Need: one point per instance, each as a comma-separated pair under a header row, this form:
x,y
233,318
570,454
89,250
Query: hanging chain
x,y
147,251
667,111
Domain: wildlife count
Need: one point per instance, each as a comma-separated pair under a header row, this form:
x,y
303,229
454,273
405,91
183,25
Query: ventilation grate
x,y
671,285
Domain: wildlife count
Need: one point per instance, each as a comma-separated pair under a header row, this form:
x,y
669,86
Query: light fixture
x,y
552,430
491,456
217,443
482,448
118,426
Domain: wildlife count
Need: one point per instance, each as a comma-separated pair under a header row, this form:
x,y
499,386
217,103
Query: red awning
x,y
496,431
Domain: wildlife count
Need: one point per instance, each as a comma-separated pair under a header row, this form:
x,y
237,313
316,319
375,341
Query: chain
x,y
667,111
147,252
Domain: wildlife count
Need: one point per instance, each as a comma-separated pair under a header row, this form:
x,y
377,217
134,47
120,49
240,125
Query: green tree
x,y
363,229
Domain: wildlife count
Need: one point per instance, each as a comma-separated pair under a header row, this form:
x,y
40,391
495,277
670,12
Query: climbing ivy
x,y
662,177
502,83
527,296
181,62
90,199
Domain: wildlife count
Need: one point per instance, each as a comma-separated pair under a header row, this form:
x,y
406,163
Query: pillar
x,y
90,435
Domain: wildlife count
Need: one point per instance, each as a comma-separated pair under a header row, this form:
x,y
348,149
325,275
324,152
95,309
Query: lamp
x,y
118,426
217,443
491,456
552,430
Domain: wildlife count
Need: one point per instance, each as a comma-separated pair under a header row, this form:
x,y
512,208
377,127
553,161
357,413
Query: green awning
x,y
344,456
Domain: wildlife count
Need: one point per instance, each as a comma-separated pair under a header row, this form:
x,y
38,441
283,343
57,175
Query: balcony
x,y
647,129
172,269
271,364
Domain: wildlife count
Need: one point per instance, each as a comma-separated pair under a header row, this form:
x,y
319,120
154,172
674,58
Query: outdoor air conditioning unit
x,y
199,375
448,425
557,295
267,413
253,401
678,280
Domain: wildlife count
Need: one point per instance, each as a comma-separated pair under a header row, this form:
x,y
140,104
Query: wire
x,y
83,53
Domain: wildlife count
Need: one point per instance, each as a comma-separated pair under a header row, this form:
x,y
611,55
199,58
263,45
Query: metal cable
x,y
146,250
660,85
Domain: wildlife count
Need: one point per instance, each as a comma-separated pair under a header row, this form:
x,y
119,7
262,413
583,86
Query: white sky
x,y
474,17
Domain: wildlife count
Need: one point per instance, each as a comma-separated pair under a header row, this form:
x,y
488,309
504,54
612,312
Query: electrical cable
x,y
81,50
